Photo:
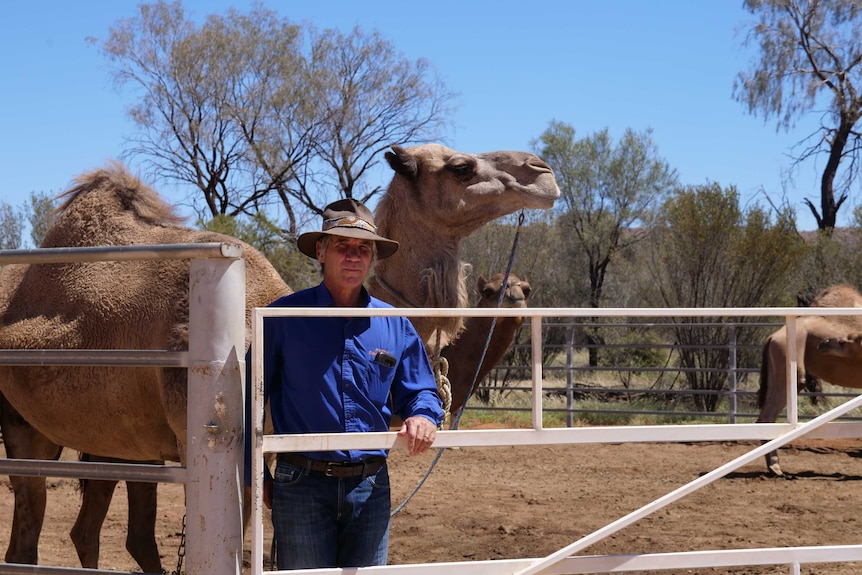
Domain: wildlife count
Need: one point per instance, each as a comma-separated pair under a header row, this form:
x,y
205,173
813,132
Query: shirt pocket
x,y
379,381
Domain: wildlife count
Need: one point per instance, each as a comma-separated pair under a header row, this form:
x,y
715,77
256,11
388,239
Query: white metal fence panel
x,y
215,420
775,435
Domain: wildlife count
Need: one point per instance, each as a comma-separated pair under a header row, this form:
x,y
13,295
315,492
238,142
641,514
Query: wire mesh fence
x,y
644,369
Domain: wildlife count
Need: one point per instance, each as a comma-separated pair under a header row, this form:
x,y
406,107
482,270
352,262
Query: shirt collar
x,y
324,298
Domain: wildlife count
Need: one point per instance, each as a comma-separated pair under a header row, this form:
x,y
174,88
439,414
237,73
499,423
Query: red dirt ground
x,y
510,502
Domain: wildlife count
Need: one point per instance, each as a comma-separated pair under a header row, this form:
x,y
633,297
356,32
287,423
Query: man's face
x,y
347,261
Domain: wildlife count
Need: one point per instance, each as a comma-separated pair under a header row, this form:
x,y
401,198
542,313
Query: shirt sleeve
x,y
414,390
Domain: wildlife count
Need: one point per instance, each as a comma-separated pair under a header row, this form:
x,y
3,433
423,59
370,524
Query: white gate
x,y
563,561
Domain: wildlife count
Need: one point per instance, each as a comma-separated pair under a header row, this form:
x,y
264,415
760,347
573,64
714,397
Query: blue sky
x,y
668,65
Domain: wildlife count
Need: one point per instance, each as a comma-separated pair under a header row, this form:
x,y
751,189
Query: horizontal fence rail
x,y
102,357
121,253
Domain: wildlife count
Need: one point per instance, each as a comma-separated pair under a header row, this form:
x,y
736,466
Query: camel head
x,y
849,346
455,193
438,197
516,293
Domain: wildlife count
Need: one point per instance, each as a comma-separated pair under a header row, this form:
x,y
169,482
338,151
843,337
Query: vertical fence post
x,y
570,377
215,416
734,384
538,394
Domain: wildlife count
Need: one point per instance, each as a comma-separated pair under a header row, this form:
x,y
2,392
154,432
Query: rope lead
x,y
457,418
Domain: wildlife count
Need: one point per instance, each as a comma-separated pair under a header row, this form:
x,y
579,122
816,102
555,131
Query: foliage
x,y
632,347
40,215
256,112
830,258
608,190
810,58
11,227
37,211
296,269
706,252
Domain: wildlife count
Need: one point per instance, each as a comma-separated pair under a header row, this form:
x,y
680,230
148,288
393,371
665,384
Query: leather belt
x,y
334,468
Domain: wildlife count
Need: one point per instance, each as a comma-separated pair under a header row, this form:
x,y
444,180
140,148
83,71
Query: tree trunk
x,y
828,206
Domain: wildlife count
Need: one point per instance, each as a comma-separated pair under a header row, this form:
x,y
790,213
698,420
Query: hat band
x,y
349,222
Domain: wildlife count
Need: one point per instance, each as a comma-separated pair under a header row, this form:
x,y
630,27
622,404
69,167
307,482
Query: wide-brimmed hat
x,y
350,219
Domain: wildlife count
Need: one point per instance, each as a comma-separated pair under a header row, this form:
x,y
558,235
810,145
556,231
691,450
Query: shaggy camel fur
x,y
463,355
82,314
813,337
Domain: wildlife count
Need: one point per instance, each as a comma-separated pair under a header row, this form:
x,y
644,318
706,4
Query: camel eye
x,y
462,168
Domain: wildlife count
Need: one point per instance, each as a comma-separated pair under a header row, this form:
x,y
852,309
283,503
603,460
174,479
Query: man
x,y
331,374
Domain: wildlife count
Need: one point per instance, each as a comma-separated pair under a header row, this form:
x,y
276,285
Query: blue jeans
x,y
324,521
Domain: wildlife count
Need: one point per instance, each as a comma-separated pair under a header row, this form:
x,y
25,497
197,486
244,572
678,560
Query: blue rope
x,y
457,419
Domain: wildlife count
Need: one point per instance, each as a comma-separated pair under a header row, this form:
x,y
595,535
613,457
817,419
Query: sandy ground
x,y
510,502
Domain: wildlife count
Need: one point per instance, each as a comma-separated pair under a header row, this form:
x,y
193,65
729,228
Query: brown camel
x,y
815,335
464,353
141,412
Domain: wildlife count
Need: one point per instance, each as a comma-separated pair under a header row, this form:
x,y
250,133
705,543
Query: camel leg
x,y
22,441
141,535
141,538
769,414
95,501
774,396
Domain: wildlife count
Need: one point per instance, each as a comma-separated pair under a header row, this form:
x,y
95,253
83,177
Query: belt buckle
x,y
328,470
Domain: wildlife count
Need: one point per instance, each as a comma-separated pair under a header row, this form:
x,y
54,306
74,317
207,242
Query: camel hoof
x,y
775,469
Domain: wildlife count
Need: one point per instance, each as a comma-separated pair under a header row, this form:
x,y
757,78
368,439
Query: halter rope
x,y
457,419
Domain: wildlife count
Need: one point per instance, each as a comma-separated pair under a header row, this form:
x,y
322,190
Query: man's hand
x,y
420,432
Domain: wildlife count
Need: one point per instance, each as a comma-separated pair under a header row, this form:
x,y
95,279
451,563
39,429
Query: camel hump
x,y
113,188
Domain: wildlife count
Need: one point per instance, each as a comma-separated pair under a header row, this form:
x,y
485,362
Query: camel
x,y
436,197
819,344
463,354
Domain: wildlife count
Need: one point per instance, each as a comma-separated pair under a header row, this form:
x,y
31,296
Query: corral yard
x,y
509,502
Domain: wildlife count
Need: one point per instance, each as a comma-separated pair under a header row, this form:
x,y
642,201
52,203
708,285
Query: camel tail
x,y
764,375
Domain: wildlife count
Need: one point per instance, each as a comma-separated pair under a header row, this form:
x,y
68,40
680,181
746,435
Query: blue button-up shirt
x,y
330,374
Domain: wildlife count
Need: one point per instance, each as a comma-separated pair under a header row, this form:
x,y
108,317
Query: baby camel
x,y
463,355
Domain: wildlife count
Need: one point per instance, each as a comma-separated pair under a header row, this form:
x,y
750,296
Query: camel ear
x,y
402,162
480,282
